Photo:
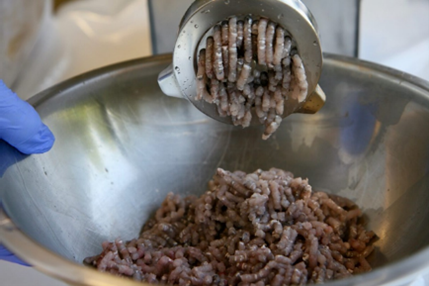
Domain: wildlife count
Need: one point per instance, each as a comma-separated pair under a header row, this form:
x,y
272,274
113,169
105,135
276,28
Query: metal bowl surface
x,y
122,146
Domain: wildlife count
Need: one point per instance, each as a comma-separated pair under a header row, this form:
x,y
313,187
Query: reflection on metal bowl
x,y
122,146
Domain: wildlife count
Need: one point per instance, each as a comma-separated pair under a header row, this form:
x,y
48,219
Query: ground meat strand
x,y
262,41
247,34
209,58
261,228
233,57
300,86
218,63
257,54
269,44
201,81
279,48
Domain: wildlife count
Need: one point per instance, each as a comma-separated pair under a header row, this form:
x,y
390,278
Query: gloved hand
x,y
20,127
8,256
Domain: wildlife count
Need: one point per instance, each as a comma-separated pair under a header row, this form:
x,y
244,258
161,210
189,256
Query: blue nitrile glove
x,y
6,255
20,125
22,128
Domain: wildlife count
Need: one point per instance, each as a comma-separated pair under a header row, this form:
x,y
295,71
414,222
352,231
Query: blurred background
x,y
43,42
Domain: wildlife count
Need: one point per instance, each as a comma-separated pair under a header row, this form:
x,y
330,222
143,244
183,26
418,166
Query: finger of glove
x,y
6,255
21,126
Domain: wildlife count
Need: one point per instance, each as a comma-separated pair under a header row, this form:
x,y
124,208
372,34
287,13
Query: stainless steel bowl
x,y
122,145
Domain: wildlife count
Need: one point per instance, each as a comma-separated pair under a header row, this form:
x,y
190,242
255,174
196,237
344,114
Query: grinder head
x,y
179,80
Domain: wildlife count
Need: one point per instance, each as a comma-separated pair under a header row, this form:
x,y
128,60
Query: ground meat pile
x,y
251,66
263,228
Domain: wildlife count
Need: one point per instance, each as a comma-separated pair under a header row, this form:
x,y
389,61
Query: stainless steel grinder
x,y
179,79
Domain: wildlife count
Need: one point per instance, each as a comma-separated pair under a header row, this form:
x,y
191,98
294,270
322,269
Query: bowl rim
x,y
58,267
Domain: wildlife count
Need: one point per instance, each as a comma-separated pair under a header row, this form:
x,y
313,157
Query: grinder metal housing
x,y
179,79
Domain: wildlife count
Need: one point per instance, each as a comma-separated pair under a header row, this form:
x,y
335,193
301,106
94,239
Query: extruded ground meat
x,y
263,228
242,57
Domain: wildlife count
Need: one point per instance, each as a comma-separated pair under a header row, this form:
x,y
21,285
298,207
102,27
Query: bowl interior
x,y
122,146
